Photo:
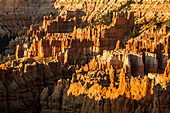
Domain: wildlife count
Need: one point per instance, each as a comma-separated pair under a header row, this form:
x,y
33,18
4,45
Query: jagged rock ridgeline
x,y
22,83
79,44
93,41
99,82
83,59
34,10
96,90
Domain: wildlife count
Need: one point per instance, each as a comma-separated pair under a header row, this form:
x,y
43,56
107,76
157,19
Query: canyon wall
x,y
80,43
16,15
98,91
72,64
102,85
22,83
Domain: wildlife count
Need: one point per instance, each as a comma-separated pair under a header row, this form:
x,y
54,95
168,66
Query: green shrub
x,y
168,23
12,58
126,4
4,59
74,62
134,33
82,62
145,21
23,32
107,18
155,18
0,58
140,2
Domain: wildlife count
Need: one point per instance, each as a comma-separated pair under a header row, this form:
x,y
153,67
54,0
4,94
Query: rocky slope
x,y
101,56
17,15
28,87
22,83
98,91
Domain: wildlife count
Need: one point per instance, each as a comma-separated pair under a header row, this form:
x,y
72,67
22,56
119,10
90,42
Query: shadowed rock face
x,y
21,86
12,6
78,61
102,89
17,15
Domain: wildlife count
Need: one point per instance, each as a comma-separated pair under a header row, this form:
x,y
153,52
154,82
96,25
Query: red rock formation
x,y
102,74
22,85
61,24
86,94
83,44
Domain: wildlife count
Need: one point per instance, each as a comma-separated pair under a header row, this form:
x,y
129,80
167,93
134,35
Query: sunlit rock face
x,y
99,89
81,57
53,39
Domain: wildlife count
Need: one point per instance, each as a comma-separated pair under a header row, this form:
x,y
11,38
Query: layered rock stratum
x,y
89,56
17,15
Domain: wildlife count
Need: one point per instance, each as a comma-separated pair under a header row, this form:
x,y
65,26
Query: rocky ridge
x,y
96,90
78,63
17,15
22,83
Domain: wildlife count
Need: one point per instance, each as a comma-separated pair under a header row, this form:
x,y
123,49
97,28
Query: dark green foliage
x,y
74,62
145,21
52,14
0,58
155,21
134,33
61,7
18,61
140,2
4,59
57,10
4,41
168,23
12,58
42,37
107,19
82,62
23,32
126,4
155,18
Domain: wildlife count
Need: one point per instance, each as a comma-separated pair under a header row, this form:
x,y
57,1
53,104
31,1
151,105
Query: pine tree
x,y
155,18
0,58
4,59
145,21
134,33
168,22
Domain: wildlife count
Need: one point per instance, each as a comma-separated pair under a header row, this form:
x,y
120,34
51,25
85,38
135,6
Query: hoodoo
x,y
104,56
